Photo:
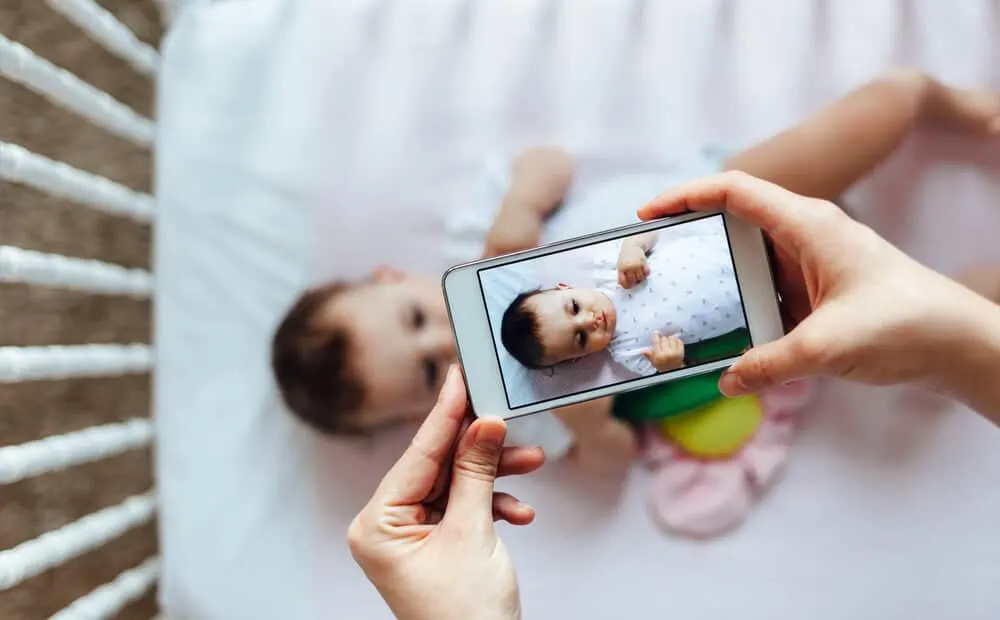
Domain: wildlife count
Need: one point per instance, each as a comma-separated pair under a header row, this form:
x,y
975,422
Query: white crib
x,y
251,509
20,67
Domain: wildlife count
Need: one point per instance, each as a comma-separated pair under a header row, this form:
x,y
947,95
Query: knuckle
x,y
736,178
757,371
808,349
357,538
823,213
479,465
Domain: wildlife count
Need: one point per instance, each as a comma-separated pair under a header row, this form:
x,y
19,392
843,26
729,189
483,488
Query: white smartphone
x,y
614,311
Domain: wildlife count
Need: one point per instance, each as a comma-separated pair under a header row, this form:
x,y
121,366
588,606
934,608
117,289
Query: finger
x,y
517,461
648,354
645,270
761,203
792,357
413,476
476,465
508,508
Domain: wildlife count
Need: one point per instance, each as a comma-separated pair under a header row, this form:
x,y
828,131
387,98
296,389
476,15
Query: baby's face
x,y
573,322
403,342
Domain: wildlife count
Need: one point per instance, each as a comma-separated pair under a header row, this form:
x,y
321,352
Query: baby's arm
x,y
540,180
632,265
600,442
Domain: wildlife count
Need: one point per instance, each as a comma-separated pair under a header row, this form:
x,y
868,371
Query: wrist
x,y
443,609
968,358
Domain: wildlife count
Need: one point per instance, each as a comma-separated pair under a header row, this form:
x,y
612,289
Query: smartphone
x,y
615,311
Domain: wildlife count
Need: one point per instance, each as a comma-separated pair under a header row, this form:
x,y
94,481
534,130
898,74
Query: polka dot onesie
x,y
691,292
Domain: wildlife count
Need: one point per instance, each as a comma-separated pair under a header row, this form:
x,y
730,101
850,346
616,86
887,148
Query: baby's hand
x,y
632,265
667,353
513,230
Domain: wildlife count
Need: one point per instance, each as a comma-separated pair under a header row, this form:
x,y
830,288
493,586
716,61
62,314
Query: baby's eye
x,y
419,318
430,374
575,307
581,339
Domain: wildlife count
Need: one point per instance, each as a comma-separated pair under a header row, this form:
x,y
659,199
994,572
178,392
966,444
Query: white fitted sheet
x,y
289,129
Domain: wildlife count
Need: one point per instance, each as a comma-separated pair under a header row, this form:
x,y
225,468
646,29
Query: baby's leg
x,y
601,442
828,152
540,179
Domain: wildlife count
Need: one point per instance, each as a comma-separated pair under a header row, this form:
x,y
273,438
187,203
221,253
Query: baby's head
x,y
545,327
349,358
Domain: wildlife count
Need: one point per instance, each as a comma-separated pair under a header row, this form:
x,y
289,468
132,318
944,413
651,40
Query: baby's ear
x,y
385,273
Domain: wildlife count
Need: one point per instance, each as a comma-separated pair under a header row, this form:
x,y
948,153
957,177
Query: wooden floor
x,y
31,316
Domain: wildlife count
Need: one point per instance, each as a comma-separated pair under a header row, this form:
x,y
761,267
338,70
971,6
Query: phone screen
x,y
615,311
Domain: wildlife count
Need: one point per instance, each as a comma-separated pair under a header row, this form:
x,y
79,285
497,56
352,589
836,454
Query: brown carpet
x,y
32,316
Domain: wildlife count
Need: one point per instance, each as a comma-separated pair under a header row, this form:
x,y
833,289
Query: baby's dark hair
x,y
311,360
520,331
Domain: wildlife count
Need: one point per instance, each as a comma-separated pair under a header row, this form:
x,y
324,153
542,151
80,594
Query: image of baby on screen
x,y
655,301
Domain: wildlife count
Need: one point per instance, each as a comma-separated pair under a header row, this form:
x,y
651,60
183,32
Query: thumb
x,y
775,363
476,462
648,354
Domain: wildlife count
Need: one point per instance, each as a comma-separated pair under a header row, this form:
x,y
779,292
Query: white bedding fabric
x,y
289,131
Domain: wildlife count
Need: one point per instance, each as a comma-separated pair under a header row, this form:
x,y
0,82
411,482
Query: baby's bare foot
x,y
976,112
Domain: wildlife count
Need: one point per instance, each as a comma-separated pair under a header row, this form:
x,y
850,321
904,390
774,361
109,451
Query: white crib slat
x,y
57,547
102,26
62,451
21,65
110,598
19,165
62,362
54,270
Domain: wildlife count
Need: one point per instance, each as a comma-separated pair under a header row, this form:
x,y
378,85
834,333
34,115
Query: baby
x,y
649,300
351,357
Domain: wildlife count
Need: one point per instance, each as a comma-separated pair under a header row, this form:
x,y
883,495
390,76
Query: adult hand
x,y
858,308
426,539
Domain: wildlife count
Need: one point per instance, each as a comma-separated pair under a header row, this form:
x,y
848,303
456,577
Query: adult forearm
x,y
970,371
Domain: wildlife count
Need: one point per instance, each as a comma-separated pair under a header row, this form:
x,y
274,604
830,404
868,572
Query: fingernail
x,y
452,374
731,385
490,435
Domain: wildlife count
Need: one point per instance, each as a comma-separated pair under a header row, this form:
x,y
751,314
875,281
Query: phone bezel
x,y
475,344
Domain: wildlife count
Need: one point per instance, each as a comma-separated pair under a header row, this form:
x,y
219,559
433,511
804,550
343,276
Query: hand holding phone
x,y
635,302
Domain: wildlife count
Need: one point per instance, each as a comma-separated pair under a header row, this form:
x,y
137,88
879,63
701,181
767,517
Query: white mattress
x,y
290,130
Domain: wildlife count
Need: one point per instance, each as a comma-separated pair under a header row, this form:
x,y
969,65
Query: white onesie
x,y
691,292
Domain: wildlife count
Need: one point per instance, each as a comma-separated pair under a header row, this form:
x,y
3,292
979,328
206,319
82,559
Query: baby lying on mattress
x,y
351,357
647,299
